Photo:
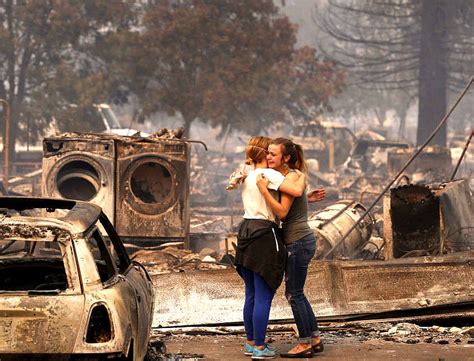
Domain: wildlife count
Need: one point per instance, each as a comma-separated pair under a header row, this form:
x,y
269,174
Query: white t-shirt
x,y
254,204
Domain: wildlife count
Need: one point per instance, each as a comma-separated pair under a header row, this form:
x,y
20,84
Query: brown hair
x,y
295,151
256,149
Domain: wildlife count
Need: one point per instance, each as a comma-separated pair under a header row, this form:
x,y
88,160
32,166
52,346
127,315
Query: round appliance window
x,y
150,185
151,182
78,180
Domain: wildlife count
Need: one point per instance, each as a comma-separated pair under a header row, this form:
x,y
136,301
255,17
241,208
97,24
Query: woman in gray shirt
x,y
285,156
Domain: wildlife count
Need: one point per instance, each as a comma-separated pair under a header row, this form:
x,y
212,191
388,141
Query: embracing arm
x,y
294,184
279,209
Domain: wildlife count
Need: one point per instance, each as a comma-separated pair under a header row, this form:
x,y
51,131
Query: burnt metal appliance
x,y
141,183
428,220
415,220
152,199
330,224
80,167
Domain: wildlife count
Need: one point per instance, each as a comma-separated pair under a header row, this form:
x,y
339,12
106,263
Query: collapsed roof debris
x,y
172,259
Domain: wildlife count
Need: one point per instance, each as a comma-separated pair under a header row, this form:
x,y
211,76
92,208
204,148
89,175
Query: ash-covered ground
x,y
343,341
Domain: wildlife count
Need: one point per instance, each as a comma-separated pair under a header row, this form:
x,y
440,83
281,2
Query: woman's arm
x,y
294,184
279,209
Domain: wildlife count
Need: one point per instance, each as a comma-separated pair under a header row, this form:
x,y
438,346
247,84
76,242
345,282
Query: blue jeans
x,y
300,254
258,300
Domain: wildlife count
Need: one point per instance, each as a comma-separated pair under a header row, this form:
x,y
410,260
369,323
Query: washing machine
x,y
81,167
152,198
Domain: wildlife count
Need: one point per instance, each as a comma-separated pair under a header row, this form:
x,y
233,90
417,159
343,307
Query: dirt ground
x,y
347,344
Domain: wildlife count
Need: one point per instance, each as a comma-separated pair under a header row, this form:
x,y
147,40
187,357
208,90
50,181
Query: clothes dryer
x,y
82,167
152,199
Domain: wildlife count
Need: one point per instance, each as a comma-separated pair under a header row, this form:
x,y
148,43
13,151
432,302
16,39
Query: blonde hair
x,y
256,149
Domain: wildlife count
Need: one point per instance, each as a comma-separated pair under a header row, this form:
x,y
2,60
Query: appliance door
x,y
151,196
81,176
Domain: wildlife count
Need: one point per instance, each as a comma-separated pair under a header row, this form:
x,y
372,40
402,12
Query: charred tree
x,y
421,47
433,70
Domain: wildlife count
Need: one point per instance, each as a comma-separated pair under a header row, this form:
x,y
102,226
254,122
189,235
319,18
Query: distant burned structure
x,y
434,159
142,184
329,143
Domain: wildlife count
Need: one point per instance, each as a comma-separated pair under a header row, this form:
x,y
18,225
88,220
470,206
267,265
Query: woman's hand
x,y
316,195
262,182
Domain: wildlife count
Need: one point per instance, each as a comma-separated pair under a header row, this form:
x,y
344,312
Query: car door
x,y
137,277
114,292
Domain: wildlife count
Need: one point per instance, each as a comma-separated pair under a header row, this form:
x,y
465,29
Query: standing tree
x,y
229,63
53,59
423,46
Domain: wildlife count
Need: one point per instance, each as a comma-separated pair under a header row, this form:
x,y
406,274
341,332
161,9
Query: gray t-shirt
x,y
295,226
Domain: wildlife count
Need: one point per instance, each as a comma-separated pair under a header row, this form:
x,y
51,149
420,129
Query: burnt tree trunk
x,y
187,127
14,120
433,71
11,80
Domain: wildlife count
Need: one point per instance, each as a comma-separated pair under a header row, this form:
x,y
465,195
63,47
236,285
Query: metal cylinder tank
x,y
331,224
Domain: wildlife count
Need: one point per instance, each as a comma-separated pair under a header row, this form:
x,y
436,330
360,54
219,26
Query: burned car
x,y
67,286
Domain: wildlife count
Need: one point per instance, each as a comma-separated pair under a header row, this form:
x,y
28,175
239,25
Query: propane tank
x,y
332,223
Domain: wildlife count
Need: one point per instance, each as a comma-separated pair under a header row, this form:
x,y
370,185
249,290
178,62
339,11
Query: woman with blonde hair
x,y
261,256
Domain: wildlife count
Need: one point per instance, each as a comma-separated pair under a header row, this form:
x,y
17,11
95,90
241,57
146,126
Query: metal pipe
x,y
196,141
6,144
462,155
436,130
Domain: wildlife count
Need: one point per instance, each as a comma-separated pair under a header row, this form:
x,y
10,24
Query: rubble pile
x,y
165,133
157,352
205,224
172,259
403,332
208,179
